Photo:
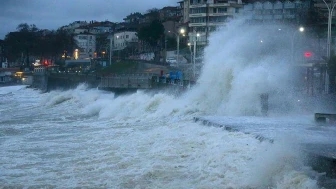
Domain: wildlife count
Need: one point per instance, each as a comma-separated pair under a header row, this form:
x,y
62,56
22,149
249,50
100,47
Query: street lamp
x,y
330,14
118,44
195,40
181,31
111,38
189,45
301,29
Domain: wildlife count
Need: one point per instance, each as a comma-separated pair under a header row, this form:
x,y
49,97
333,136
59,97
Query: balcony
x,y
197,24
197,15
198,5
220,5
220,14
217,23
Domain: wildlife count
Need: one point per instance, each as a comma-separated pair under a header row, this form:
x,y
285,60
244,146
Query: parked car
x,y
171,61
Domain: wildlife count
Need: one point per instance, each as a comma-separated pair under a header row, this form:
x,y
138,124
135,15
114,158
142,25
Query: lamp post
x,y
191,56
111,47
195,43
181,31
330,14
301,29
189,45
117,46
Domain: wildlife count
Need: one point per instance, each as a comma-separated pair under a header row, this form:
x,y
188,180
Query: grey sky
x,y
51,14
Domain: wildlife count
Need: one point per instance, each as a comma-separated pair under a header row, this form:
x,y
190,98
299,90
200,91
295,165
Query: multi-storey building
x,y
86,43
81,29
71,27
124,39
99,28
275,11
170,13
203,16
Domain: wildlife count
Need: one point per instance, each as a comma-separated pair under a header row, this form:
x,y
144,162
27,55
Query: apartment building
x,y
170,13
203,16
72,26
124,39
86,46
275,11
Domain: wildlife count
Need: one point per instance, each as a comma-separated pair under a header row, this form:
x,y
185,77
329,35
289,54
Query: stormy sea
x,y
89,138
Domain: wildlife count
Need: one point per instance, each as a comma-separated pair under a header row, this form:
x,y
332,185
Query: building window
x,y
82,37
198,10
277,11
198,20
218,19
222,10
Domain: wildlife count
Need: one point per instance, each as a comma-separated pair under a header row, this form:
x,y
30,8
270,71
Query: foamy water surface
x,y
92,139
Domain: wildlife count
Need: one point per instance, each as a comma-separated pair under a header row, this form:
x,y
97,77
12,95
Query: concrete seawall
x,y
49,81
68,81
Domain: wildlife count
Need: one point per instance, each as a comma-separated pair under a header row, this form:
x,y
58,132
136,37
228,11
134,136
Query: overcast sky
x,y
52,14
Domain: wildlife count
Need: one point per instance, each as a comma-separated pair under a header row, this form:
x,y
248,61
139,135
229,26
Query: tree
x,y
153,14
102,43
29,41
152,35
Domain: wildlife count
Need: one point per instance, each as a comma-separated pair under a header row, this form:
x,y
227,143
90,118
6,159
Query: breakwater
x,y
117,83
51,81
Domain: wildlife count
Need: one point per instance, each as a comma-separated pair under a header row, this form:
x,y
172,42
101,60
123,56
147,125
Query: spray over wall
x,y
241,62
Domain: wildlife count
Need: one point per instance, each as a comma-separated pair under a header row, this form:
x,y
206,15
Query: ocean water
x,y
87,138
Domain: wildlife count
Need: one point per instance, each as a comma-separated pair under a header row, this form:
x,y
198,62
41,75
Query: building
x,y
99,28
170,14
133,18
81,29
204,16
6,75
72,26
276,11
87,46
124,39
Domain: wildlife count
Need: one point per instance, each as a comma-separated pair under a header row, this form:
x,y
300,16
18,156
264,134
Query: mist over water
x,y
90,138
241,63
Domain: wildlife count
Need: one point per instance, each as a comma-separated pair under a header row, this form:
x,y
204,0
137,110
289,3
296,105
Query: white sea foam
x,y
93,139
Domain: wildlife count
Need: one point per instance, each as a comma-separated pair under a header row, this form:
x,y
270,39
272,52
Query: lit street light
x,y
195,40
181,31
301,29
189,45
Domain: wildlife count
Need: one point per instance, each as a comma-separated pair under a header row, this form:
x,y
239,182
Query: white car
x,y
171,60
